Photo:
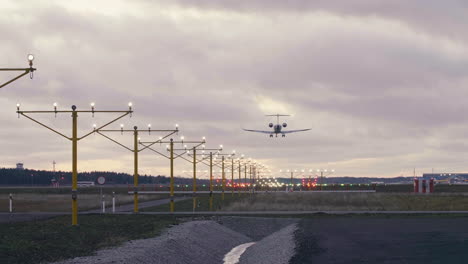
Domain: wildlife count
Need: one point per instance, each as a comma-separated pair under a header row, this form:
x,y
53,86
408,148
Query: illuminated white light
x,y
149,125
92,104
18,105
30,57
182,138
121,125
94,125
176,125
55,104
130,104
221,146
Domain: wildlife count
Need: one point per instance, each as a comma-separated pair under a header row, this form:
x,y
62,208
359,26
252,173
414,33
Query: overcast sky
x,y
382,84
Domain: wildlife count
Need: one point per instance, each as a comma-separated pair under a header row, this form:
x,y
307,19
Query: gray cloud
x,y
381,83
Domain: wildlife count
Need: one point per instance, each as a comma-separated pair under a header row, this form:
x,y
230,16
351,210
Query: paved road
x,y
127,209
304,212
123,209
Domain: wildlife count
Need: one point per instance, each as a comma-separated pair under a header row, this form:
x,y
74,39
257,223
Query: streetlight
x,y
29,70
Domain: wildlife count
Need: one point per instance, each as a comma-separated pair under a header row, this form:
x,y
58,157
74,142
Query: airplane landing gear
x,y
271,135
284,135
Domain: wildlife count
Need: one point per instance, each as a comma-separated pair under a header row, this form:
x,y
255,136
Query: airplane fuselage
x,y
277,129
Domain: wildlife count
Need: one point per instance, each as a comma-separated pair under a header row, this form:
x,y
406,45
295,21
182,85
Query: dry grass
x,y
37,202
315,201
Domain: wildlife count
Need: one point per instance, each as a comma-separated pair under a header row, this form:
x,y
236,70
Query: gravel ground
x,y
275,248
255,227
191,242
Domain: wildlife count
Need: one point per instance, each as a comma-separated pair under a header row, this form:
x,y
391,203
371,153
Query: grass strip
x,y
55,239
202,204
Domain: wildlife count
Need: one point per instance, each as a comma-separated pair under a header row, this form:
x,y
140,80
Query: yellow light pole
x,y
135,149
211,165
172,156
74,139
245,176
223,178
25,71
194,178
324,173
211,181
293,172
239,185
232,176
223,175
195,161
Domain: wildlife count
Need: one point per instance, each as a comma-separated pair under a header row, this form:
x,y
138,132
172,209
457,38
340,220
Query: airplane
x,y
277,129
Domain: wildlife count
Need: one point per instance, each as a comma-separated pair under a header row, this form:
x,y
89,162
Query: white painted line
x,y
234,255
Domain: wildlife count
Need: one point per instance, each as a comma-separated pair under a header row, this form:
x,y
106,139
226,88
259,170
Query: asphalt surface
x,y
382,240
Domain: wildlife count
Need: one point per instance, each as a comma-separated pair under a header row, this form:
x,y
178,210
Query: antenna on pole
x,y
53,163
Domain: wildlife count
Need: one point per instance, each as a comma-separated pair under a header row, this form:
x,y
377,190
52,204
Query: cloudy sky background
x,y
382,84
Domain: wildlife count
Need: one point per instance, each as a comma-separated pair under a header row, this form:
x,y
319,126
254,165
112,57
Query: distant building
x,y
447,177
19,166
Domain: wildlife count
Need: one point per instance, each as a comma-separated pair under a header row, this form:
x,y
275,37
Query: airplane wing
x,y
294,131
259,131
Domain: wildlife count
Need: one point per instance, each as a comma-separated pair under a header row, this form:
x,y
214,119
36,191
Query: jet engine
x,y
285,125
270,125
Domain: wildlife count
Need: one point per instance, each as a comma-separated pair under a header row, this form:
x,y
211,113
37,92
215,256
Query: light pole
x,y
223,155
136,132
172,157
74,139
240,171
195,161
324,173
232,174
292,172
25,71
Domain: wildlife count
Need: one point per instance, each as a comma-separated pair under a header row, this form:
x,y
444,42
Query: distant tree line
x,y
42,177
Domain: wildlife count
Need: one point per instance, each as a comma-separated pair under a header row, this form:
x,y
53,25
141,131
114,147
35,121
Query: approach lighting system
x,y
74,138
25,71
136,149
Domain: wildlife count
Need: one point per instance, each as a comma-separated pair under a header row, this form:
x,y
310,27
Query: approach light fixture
x,y
29,70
